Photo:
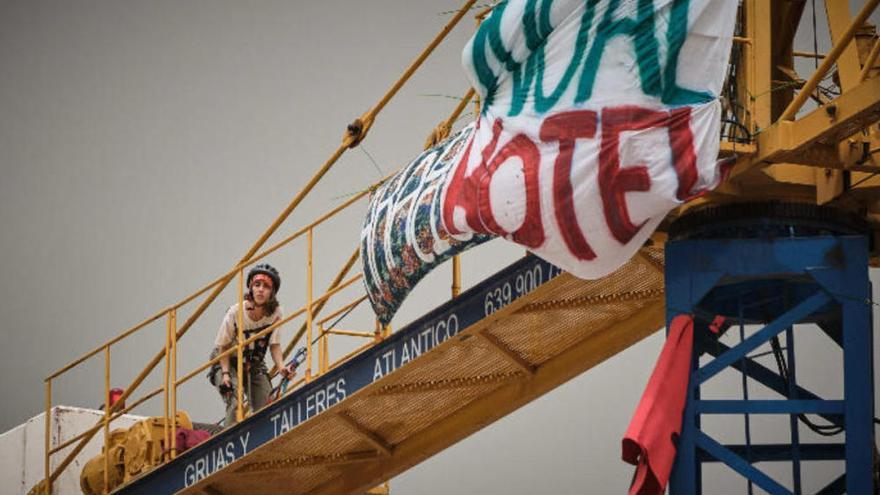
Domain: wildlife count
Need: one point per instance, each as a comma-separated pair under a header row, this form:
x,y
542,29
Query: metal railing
x,y
354,134
316,331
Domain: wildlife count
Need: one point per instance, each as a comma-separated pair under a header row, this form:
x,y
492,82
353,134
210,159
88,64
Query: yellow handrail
x,y
869,62
828,61
350,140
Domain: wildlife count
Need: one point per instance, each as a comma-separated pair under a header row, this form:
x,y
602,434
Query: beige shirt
x,y
227,335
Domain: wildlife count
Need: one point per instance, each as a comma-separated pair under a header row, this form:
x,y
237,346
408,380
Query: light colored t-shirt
x,y
228,334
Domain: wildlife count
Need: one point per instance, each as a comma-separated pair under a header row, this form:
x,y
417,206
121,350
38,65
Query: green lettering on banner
x,y
534,71
491,29
641,30
673,94
528,77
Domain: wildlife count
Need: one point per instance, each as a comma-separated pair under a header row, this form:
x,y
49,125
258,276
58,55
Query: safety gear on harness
x,y
253,353
267,270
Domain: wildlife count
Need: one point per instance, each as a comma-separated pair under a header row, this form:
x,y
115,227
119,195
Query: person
x,y
261,310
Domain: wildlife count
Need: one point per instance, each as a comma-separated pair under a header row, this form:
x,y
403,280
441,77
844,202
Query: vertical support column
x,y
173,315
793,418
48,440
686,473
323,349
760,31
166,432
309,310
239,365
747,421
857,388
107,419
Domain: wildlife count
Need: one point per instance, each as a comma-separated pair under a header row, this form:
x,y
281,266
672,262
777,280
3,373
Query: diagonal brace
x,y
770,379
370,436
739,465
508,353
786,320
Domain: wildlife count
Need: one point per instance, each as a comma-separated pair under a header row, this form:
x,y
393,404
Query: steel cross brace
x,y
829,276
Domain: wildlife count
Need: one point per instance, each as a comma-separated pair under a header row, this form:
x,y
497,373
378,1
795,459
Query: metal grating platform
x,y
467,363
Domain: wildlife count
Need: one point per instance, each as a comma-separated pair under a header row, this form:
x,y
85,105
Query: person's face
x,y
261,289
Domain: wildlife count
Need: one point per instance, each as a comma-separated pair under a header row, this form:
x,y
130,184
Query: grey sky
x,y
145,145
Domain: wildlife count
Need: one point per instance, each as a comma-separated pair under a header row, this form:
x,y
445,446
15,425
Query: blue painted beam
x,y
782,452
740,465
768,378
797,406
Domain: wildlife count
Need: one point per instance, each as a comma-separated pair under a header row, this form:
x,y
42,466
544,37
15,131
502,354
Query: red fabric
x,y
264,278
649,440
187,439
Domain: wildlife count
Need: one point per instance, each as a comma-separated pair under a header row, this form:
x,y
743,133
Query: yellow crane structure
x,y
802,138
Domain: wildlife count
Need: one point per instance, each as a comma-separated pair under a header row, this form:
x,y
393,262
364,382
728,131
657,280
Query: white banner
x,y
598,118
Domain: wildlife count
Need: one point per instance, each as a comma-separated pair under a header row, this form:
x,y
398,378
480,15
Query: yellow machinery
x,y
92,477
133,451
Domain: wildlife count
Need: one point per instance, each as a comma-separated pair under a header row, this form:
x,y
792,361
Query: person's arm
x,y
224,360
277,357
222,342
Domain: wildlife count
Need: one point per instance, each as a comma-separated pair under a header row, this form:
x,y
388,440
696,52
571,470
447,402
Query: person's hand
x,y
227,379
287,372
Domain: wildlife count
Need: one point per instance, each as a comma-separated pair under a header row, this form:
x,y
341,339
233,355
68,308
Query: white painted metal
x,y
22,447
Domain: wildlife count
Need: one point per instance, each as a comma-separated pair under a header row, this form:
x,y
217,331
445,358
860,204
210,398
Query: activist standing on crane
x,y
261,310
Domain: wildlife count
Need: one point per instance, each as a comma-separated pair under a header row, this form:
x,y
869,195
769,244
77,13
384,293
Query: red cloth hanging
x,y
649,441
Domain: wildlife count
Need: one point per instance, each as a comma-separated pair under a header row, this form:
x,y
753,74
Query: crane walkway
x,y
505,342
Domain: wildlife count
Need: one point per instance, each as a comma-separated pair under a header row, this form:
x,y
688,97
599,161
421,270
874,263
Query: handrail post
x,y
48,440
239,365
172,316
309,310
320,348
107,419
325,350
166,454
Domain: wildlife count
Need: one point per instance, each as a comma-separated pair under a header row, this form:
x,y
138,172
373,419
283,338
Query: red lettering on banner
x,y
531,232
462,192
615,182
566,128
681,140
472,192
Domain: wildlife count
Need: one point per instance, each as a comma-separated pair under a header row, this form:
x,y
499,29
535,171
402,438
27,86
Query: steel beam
x,y
788,141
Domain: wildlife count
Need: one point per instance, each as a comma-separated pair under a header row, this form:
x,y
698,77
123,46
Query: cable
x,y
378,169
823,430
333,325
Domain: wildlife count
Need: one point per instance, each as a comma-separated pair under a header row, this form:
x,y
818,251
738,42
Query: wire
x,y
823,430
341,317
378,169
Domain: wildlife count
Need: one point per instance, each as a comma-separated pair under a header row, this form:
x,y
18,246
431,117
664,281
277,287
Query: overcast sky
x,y
144,146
